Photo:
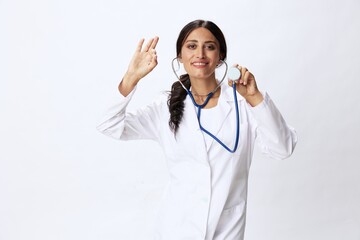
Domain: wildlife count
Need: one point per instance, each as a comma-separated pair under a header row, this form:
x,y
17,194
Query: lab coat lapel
x,y
224,111
192,133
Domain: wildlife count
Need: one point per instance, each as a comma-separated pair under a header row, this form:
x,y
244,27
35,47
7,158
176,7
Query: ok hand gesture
x,y
143,62
144,59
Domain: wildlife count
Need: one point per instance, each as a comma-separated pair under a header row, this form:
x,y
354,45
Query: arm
x,y
144,123
276,138
122,125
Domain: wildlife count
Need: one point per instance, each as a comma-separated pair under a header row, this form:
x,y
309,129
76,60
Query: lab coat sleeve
x,y
276,138
144,123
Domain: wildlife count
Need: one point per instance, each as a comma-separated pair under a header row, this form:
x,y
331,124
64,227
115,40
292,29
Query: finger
x,y
139,46
152,51
246,77
154,42
230,82
148,44
243,70
152,64
241,73
154,57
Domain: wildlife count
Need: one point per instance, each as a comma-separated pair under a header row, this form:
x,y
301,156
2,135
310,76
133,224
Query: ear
x,y
220,62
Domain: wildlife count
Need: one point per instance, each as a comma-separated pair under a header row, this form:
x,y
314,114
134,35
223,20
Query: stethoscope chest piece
x,y
234,74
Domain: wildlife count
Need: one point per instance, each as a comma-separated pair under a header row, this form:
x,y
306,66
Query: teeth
x,y
199,64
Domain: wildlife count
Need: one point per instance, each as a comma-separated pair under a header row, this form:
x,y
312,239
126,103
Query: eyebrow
x,y
198,41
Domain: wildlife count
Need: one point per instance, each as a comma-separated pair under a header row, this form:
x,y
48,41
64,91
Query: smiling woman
x,y
200,55
207,192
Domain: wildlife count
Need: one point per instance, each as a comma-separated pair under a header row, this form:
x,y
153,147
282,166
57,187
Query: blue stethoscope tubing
x,y
199,107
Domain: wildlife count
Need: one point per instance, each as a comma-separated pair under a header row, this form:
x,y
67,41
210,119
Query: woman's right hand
x,y
143,62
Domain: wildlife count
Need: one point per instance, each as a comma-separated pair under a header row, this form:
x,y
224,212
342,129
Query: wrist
x,y
130,79
127,84
255,99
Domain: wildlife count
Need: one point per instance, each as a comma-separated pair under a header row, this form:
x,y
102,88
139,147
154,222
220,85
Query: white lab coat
x,y
207,191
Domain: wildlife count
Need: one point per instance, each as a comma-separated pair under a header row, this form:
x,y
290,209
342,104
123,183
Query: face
x,y
200,54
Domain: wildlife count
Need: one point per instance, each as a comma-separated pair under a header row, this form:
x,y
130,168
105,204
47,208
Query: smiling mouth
x,y
199,64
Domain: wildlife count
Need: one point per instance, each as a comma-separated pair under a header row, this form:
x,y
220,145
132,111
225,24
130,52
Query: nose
x,y
200,53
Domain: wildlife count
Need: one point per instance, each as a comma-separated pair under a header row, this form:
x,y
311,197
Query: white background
x,y
61,61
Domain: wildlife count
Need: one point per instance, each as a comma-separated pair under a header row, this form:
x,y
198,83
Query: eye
x,y
191,46
210,46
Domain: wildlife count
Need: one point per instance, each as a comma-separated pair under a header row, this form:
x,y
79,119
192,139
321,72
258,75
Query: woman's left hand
x,y
247,87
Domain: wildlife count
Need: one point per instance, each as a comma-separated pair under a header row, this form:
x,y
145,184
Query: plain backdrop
x,y
61,61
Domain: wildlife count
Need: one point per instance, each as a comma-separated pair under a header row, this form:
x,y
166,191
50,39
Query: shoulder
x,y
161,98
159,102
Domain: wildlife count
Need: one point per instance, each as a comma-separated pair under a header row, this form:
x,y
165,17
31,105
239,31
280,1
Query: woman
x,y
206,194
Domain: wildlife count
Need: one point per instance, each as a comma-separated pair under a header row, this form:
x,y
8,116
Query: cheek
x,y
217,56
187,67
184,55
186,61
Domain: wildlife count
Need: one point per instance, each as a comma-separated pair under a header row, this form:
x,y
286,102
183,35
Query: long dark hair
x,y
178,94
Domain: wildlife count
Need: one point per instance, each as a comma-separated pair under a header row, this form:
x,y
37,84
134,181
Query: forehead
x,y
201,35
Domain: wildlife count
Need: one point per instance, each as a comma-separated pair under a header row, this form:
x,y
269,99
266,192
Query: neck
x,y
202,87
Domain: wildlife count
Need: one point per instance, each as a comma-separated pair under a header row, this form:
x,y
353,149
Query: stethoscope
x,y
233,74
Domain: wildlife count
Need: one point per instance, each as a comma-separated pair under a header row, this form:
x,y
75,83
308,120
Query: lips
x,y
199,64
